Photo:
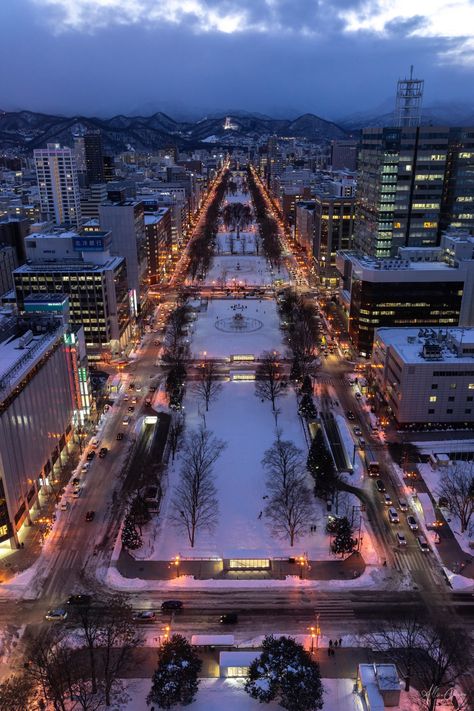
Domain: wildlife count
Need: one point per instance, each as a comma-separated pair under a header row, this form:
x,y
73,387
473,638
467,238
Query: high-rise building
x,y
344,154
58,185
333,231
412,184
409,101
94,158
8,263
158,244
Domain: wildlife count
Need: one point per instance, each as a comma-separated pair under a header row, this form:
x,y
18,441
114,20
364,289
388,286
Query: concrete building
x,y
13,231
58,184
93,156
125,221
36,413
91,198
344,154
81,266
430,287
426,375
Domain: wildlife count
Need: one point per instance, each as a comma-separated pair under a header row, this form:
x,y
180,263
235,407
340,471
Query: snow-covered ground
x,y
229,694
247,426
229,243
244,270
209,338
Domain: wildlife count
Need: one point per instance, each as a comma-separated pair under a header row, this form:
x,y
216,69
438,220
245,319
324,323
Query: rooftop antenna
x,y
409,100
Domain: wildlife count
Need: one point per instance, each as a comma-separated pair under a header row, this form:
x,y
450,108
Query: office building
x,y
431,287
333,231
125,221
344,154
81,266
13,231
58,184
413,183
158,244
93,157
8,263
36,414
91,198
426,375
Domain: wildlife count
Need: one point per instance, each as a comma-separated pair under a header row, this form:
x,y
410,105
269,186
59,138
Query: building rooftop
x,y
430,345
71,266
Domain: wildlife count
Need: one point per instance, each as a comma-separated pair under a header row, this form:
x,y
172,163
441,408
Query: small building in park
x,y
379,686
235,664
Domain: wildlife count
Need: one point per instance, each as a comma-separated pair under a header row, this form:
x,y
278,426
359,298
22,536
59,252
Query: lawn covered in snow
x,y
246,270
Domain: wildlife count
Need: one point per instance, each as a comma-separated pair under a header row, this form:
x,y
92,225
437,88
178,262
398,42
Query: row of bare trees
x,y
300,319
236,216
268,226
176,353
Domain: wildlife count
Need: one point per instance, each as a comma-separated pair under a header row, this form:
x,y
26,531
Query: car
x,y
138,389
172,605
95,442
380,486
401,539
358,396
85,467
230,618
56,615
119,436
77,492
90,455
103,452
76,481
350,415
423,544
131,408
148,402
144,616
152,388
90,515
387,499
393,515
106,408
412,523
79,600
64,505
403,504
357,431
126,397
361,442
126,420
134,400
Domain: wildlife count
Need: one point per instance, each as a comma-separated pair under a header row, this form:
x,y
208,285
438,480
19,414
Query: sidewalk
x,y
351,567
17,560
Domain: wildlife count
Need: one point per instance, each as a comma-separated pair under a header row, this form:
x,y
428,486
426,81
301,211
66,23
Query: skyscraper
x,y
94,158
409,100
58,185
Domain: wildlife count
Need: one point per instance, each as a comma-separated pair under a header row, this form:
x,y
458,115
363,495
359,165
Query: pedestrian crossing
x,y
334,609
415,561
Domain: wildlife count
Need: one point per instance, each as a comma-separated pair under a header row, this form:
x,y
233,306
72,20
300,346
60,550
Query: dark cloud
x,y
126,68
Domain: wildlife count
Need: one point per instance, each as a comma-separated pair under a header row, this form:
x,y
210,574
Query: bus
x,y
371,463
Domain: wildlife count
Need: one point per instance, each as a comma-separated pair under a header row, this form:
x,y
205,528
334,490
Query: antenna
x,y
409,100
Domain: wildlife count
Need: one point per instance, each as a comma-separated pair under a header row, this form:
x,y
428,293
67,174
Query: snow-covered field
x,y
228,243
216,343
244,270
247,426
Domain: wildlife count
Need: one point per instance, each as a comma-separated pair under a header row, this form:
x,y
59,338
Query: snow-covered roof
x,y
236,659
216,640
369,682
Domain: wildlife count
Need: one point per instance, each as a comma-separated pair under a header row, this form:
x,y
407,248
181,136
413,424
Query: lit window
x,y
433,398
470,386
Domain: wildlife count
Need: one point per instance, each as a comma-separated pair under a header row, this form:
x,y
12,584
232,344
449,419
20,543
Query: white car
x,y
401,539
393,515
77,492
126,420
85,467
56,615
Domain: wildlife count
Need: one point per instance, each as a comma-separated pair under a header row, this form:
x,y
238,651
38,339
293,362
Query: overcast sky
x,y
330,57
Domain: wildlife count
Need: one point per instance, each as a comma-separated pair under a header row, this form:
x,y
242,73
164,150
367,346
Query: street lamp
x,y
176,561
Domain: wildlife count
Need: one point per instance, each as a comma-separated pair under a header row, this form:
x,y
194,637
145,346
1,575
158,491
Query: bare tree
x,y
290,504
175,433
433,654
16,693
207,387
457,487
236,215
195,500
269,380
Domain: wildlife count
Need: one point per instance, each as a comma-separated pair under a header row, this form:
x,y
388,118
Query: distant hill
x,y
441,113
26,130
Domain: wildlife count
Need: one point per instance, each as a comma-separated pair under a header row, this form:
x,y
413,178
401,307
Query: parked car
x,y
393,515
230,618
119,436
357,431
76,481
56,615
64,505
361,443
95,442
90,515
144,616
401,539
103,452
131,408
85,467
380,486
79,600
423,544
172,605
77,492
350,415
90,455
412,523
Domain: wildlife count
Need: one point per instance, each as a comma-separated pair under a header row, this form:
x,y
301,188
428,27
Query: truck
x,y
371,462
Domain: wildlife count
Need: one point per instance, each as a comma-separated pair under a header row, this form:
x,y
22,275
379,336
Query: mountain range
x,y
25,130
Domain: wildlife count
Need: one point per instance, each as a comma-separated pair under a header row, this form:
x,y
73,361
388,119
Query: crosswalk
x,y
334,609
415,561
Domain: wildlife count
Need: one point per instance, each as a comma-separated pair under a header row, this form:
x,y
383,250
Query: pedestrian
x,y
385,564
340,642
336,643
329,651
330,642
260,514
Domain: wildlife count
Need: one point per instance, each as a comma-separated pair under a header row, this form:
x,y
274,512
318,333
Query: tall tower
x,y
409,100
93,157
58,185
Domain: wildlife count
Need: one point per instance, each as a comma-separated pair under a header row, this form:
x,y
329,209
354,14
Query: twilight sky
x,y
331,57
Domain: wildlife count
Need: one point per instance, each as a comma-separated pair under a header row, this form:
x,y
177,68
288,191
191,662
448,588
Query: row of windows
x,y
449,411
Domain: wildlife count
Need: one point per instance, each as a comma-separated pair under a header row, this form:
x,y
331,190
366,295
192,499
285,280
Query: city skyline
x,y
136,57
